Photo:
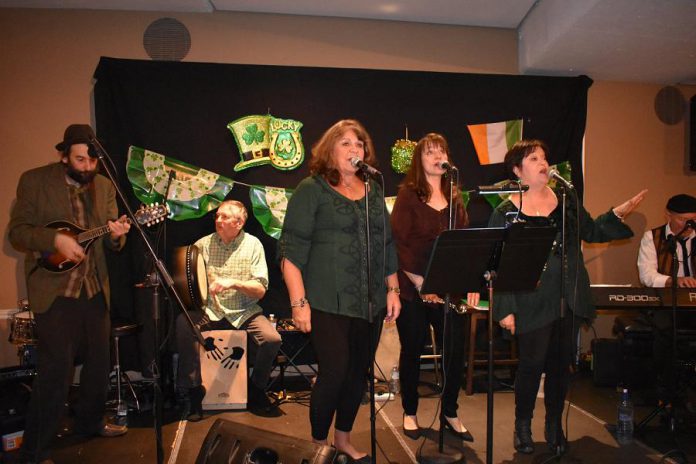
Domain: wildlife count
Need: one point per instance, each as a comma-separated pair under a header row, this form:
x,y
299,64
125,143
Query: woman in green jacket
x,y
324,261
545,340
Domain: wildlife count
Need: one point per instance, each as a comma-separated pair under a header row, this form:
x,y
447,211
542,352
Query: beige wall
x,y
47,58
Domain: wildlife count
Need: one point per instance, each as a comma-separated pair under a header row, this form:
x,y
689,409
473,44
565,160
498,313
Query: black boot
x,y
196,395
553,433
522,437
259,404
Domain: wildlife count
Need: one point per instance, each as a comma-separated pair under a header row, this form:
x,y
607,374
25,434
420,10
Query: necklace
x,y
350,192
532,205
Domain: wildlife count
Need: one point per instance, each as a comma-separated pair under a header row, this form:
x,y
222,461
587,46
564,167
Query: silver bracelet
x,y
299,303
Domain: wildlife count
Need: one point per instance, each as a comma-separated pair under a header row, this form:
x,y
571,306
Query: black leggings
x,y
341,347
547,349
413,325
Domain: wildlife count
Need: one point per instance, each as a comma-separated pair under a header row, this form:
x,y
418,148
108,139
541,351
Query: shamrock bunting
x,y
192,193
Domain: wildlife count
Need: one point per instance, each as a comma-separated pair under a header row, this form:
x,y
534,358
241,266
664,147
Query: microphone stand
x,y
428,455
446,311
161,276
674,271
370,318
560,450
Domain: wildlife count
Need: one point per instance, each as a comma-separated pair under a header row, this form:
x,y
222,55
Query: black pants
x,y
413,325
69,325
341,347
548,349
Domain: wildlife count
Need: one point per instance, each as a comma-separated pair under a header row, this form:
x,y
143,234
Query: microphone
x,y
172,174
446,166
691,223
511,187
92,149
363,166
553,172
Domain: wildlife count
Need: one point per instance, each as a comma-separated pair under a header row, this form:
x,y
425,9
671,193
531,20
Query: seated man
x,y
238,279
655,269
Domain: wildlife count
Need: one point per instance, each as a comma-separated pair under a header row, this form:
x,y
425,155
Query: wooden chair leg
x,y
473,319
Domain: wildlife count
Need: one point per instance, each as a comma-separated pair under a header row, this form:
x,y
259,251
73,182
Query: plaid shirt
x,y
86,273
243,259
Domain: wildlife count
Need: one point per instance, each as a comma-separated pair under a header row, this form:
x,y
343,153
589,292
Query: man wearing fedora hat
x,y
655,269
70,306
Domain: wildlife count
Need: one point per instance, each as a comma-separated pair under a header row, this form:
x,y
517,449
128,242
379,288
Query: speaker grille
x,y
167,39
670,105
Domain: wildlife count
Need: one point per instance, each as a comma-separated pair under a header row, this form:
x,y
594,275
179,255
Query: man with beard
x,y
71,306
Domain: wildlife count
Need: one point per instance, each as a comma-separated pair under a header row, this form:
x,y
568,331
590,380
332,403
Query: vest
x,y
664,256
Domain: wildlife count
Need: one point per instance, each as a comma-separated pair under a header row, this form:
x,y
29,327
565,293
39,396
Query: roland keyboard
x,y
610,297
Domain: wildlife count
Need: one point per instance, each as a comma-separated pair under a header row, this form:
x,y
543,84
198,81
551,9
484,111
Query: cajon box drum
x,y
224,370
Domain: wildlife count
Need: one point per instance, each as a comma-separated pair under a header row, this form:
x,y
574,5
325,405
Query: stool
x,y
512,360
434,356
122,328
295,351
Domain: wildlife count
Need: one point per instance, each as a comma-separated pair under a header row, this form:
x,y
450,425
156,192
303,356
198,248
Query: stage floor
x,y
590,416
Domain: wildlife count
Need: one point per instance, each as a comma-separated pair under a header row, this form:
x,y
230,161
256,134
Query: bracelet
x,y
396,290
299,303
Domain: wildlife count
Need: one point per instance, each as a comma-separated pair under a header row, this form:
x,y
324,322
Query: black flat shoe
x,y
413,434
465,435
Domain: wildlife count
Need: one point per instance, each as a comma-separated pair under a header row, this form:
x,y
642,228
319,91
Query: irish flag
x,y
493,140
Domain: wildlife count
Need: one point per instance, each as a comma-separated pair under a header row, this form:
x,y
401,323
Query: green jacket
x,y
537,308
324,236
42,197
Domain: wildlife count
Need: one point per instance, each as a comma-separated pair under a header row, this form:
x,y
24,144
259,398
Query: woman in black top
x,y
545,340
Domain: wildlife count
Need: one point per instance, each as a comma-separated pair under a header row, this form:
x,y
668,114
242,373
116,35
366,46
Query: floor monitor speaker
x,y
232,443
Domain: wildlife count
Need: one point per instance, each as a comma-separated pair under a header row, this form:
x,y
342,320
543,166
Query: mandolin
x,y
56,262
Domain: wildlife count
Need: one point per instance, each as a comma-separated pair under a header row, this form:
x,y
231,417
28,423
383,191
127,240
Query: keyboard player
x,y
654,267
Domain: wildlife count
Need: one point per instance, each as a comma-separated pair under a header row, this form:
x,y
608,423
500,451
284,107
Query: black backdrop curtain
x,y
181,110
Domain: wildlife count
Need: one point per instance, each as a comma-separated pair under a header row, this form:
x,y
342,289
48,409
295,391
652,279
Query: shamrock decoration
x,y
253,134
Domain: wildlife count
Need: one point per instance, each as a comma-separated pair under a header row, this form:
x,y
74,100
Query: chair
x,y
480,358
431,353
295,351
122,328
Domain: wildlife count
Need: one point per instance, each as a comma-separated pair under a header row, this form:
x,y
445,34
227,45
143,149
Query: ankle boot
x,y
553,433
196,395
522,437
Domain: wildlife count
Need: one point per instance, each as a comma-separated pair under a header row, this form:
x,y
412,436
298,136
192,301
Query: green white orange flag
x,y
493,140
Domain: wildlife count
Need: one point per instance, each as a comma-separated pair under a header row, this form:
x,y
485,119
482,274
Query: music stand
x,y
464,260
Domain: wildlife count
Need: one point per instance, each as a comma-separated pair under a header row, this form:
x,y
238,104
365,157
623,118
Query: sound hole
x,y
263,456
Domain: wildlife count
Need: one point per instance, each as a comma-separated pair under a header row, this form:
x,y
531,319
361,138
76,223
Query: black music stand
x,y
465,260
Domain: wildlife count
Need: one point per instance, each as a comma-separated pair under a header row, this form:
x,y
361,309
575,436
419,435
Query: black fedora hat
x,y
76,133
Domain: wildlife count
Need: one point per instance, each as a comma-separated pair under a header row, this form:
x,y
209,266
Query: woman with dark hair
x,y
323,258
544,339
420,214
